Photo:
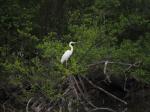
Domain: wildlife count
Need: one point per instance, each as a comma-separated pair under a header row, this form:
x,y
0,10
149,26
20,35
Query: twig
x,y
97,63
82,84
125,79
50,108
108,109
74,88
125,110
81,92
105,67
67,90
105,71
108,93
28,104
120,63
85,98
89,102
125,82
4,107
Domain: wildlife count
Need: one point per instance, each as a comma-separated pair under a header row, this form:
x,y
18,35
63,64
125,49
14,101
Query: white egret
x,y
68,53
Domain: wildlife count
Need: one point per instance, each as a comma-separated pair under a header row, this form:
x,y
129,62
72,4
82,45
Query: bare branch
x,y
4,107
88,101
111,62
97,63
108,93
27,107
50,108
105,67
105,71
66,91
82,85
108,109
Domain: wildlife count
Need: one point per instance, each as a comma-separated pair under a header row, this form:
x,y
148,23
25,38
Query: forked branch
x,y
103,90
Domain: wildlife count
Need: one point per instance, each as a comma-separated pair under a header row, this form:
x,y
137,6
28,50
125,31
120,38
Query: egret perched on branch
x,y
67,54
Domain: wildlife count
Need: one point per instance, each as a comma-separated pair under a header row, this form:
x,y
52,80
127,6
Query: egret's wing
x,y
66,56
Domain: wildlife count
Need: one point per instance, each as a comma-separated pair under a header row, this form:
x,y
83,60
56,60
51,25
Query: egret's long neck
x,y
71,47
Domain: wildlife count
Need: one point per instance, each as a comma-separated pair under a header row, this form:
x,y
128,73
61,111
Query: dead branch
x,y
4,107
136,64
66,91
111,62
60,108
50,108
82,85
74,88
105,66
27,107
82,94
38,108
108,93
105,71
78,87
108,109
70,106
88,101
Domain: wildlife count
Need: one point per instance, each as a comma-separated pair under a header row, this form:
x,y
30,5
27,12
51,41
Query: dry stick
x,y
126,76
125,82
108,93
28,104
80,90
101,62
39,107
85,107
108,109
82,84
76,93
111,62
4,107
56,102
105,71
78,85
34,104
121,63
73,86
125,110
60,108
83,93
50,108
89,102
105,67
66,91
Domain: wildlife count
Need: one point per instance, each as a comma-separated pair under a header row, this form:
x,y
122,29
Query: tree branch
x,y
112,62
27,107
108,93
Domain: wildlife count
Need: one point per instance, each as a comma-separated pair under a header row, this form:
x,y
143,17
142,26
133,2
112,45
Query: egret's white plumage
x,y
67,54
